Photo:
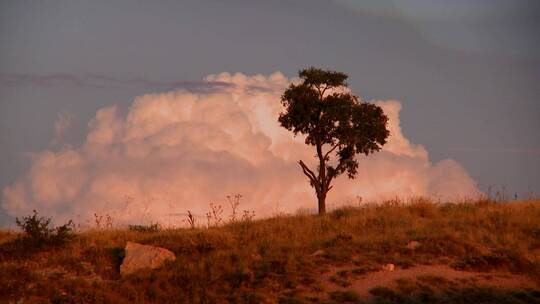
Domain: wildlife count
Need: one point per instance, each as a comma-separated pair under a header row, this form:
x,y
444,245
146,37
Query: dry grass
x,y
272,260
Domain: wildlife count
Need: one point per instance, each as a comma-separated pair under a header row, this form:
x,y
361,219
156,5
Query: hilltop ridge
x,y
440,253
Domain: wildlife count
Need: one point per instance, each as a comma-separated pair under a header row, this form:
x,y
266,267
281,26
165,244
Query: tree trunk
x,y
320,182
322,203
321,195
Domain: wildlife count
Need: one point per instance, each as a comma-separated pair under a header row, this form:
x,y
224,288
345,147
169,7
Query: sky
x,y
460,76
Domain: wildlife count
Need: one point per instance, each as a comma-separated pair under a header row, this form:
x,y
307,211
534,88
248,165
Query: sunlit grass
x,y
256,260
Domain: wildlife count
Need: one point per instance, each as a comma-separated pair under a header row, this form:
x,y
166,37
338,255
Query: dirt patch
x,y
344,278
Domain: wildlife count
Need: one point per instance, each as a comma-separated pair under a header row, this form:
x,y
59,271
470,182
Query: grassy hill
x,y
480,252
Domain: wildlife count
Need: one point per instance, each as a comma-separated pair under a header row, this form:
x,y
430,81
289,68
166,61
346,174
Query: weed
x,y
234,202
103,222
191,219
247,215
214,216
38,231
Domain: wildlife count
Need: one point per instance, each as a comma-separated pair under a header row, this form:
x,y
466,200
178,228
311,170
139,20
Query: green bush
x,y
39,232
144,228
348,296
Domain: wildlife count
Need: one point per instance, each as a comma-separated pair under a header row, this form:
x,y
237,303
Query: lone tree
x,y
335,121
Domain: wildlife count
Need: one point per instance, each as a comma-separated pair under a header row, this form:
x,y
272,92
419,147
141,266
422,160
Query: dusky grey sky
x,y
467,72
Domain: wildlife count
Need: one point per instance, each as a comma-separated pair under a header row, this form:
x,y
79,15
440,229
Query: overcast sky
x,y
466,72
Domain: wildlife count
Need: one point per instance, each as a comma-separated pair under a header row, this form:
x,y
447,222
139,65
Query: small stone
x,y
413,245
138,256
256,257
388,267
317,253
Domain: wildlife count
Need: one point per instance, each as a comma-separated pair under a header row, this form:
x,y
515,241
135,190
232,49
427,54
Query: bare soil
x,y
362,284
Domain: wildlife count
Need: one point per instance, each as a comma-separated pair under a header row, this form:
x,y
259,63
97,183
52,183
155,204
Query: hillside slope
x,y
462,253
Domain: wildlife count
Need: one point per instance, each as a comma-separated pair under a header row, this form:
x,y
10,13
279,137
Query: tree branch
x,y
318,89
330,151
328,181
308,172
324,90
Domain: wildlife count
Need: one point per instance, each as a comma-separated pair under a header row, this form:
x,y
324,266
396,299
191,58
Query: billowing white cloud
x,y
61,126
182,150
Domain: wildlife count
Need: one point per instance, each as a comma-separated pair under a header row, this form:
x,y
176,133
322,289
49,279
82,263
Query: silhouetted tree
x,y
335,121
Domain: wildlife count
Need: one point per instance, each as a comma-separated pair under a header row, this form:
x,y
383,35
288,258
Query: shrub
x,y
144,228
39,232
347,296
342,212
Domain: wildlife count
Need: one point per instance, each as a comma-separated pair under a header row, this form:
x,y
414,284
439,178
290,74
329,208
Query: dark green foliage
x,y
498,259
117,255
334,121
342,212
340,281
144,228
13,279
291,300
474,294
39,232
349,296
387,294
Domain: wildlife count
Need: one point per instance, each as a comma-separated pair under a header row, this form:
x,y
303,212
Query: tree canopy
x,y
335,121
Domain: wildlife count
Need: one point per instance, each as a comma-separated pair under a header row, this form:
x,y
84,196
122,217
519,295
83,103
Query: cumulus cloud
x,y
184,149
61,126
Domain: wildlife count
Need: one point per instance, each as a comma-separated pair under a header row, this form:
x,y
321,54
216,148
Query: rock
x,y
138,256
256,257
86,268
413,245
317,253
388,267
